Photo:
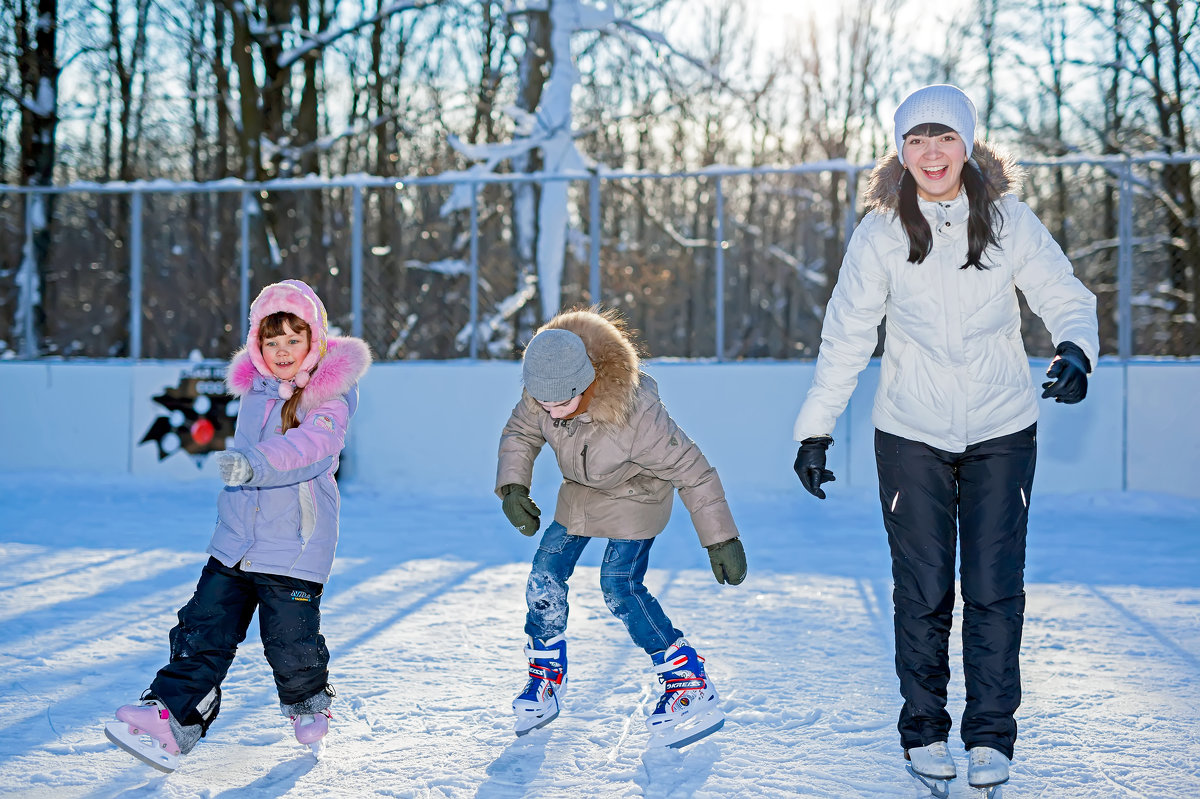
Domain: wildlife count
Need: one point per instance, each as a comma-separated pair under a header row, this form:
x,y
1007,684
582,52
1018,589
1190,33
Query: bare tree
x,y
35,33
1173,76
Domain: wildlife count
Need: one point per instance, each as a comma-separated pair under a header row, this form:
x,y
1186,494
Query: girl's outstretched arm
x,y
305,451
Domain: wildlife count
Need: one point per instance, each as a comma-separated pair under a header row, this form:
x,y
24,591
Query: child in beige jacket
x,y
621,457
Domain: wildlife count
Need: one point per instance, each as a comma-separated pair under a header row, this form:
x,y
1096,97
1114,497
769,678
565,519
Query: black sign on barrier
x,y
200,416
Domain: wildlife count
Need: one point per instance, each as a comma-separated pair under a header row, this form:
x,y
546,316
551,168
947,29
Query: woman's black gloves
x,y
522,511
810,464
1068,374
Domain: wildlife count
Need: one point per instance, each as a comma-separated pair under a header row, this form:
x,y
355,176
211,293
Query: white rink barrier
x,y
434,426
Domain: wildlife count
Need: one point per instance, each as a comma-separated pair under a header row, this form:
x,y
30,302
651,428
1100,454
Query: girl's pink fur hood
x,y
344,364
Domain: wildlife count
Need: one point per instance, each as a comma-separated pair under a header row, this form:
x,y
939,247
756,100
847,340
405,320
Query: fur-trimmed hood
x,y
344,364
614,357
297,298
999,167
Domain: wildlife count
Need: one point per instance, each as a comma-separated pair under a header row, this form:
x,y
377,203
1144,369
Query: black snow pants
x,y
933,499
214,622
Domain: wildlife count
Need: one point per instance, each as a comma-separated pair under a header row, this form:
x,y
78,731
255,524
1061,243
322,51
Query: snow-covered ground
x,y
424,616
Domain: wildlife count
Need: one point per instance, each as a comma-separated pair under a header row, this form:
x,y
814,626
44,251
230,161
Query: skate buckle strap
x,y
545,673
541,654
684,684
679,661
164,714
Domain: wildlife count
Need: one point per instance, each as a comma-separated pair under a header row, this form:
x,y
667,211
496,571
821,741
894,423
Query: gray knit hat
x,y
556,366
939,104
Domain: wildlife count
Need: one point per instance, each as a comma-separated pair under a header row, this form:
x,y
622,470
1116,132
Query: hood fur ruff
x,y
344,364
614,357
998,166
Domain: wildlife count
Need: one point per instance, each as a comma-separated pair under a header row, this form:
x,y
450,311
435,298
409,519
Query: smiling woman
x,y
935,155
955,414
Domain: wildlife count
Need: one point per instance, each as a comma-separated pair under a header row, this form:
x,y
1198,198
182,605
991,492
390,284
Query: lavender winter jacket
x,y
285,520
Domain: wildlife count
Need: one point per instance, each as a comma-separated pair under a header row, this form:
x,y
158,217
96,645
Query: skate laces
x,y
981,756
160,708
938,750
157,706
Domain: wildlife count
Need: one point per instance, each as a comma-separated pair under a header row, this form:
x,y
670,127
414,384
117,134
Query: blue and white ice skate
x,y
538,704
689,708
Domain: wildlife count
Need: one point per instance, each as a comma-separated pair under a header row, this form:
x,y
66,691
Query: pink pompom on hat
x,y
295,297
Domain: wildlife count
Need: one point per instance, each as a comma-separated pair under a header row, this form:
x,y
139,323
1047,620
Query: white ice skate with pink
x,y
311,729
144,731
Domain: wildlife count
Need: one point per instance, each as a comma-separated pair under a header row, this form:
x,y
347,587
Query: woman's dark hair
x,y
983,220
270,327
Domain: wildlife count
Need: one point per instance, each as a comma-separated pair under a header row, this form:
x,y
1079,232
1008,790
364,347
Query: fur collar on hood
x,y
998,166
344,364
614,357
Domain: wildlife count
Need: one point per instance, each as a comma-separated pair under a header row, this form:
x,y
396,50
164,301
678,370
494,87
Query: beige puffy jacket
x,y
622,456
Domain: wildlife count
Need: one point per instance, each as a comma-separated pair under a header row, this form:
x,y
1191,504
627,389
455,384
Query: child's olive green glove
x,y
522,511
728,560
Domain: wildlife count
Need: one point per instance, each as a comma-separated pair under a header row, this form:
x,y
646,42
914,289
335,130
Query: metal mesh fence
x,y
726,263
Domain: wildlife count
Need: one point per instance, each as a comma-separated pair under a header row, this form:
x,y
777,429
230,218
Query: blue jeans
x,y
621,576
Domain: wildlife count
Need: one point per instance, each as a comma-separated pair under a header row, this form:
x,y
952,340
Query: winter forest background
x,y
460,169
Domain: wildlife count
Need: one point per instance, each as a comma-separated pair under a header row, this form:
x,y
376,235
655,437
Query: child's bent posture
x,y
621,457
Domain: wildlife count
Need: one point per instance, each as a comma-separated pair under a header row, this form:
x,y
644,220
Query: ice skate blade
x,y
528,725
986,791
148,751
696,736
940,789
687,731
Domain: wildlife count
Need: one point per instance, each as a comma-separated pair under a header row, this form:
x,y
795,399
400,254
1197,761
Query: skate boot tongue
x,y
986,767
932,760
669,653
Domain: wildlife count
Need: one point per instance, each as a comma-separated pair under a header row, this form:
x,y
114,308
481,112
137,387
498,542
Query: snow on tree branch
x,y
317,41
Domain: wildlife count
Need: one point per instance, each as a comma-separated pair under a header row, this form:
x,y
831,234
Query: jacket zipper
x,y
583,454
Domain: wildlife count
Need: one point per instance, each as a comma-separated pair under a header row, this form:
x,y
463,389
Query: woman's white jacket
x,y
954,369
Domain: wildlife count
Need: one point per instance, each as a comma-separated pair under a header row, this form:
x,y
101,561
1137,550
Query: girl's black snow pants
x,y
214,622
933,500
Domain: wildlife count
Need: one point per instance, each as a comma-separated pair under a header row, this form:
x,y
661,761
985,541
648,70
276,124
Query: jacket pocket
x,y
645,489
308,511
583,455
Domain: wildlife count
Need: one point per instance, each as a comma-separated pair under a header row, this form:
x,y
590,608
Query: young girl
x,y
941,256
277,527
621,456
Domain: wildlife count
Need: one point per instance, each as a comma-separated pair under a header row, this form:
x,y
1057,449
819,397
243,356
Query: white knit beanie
x,y
939,104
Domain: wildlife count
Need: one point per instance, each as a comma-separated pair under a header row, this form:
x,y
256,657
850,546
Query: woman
x,y
940,255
